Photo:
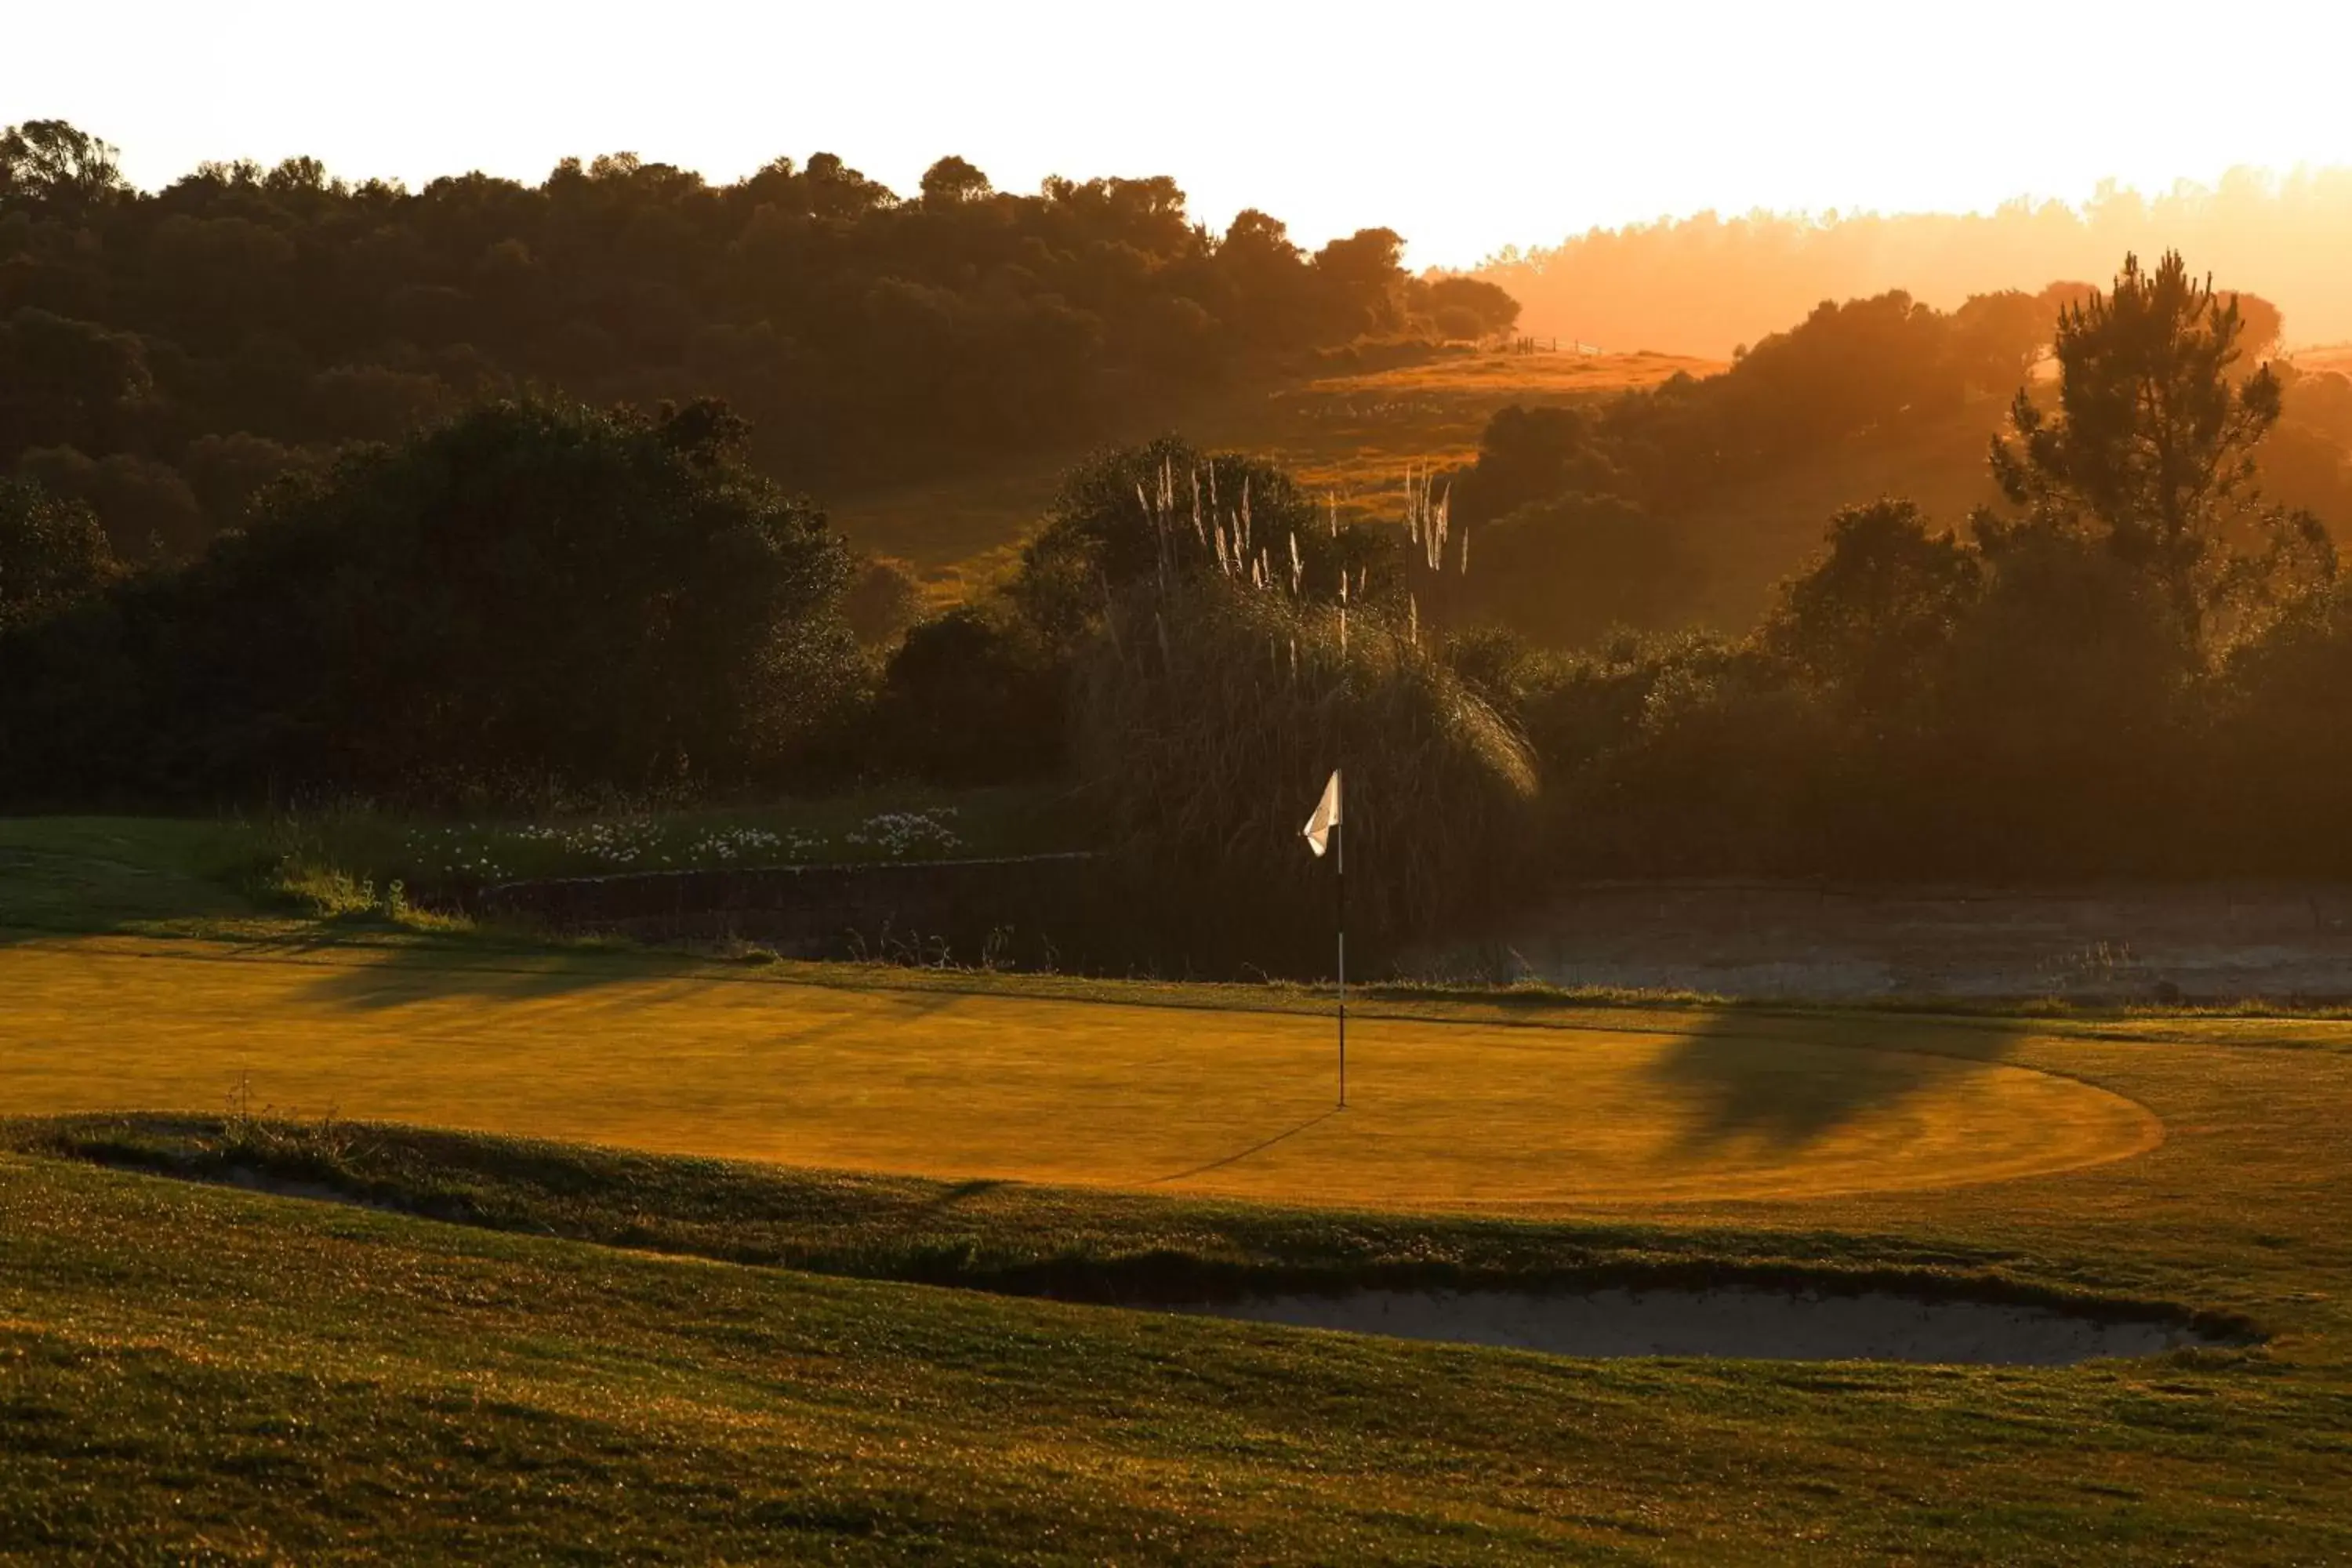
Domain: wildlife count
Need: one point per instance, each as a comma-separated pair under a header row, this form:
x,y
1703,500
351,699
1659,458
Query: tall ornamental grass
x,y
1215,703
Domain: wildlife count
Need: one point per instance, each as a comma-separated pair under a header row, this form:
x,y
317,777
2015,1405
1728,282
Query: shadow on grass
x,y
403,976
1794,1086
952,1193
1239,1154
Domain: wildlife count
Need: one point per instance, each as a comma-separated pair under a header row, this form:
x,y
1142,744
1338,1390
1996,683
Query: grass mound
x,y
227,1375
1010,1238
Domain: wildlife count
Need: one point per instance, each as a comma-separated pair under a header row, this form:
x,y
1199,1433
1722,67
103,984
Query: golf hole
x,y
1732,1322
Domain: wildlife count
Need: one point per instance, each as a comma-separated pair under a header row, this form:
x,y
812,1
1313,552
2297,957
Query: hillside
x,y
166,356
1348,434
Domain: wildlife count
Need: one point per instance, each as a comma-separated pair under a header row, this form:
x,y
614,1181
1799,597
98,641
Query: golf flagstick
x,y
1324,831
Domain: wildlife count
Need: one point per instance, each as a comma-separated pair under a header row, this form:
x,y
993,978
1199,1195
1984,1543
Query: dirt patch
x,y
1738,1322
2207,943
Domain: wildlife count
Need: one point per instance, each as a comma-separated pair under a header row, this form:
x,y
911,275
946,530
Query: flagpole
x,y
1326,833
1339,854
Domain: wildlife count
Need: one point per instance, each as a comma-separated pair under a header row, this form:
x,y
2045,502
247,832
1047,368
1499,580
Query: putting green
x,y
1660,1108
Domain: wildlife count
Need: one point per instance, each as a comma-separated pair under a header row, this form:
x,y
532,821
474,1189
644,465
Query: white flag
x,y
1327,816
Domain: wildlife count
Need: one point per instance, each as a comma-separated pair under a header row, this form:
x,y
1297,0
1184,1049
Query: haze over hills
x,y
1705,284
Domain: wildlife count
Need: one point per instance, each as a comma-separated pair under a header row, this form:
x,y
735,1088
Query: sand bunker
x,y
1739,1321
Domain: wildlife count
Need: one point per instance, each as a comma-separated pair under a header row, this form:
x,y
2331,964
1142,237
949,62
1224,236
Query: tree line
x,y
2137,662
1702,284
1583,513
167,355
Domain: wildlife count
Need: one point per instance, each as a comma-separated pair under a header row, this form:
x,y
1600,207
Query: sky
x,y
1466,126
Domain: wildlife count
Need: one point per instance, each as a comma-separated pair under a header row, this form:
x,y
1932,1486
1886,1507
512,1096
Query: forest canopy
x,y
534,599
165,356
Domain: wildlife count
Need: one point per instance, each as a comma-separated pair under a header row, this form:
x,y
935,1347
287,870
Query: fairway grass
x,y
1593,1109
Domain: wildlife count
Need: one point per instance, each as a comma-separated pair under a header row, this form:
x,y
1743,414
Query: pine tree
x,y
2151,448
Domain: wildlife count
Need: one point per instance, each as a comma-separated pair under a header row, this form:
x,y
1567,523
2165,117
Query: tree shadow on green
x,y
404,976
1789,1083
399,975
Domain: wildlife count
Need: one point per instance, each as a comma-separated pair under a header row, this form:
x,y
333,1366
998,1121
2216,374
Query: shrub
x,y
882,601
2057,735
1880,603
1564,570
1208,720
534,596
1702,758
970,697
52,552
2282,731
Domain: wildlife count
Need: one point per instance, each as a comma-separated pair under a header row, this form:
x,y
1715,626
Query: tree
x,y
2152,449
1882,601
1998,339
50,162
146,507
1561,571
1531,455
536,594
52,552
867,337
2056,733
1264,280
883,600
67,382
1464,307
1103,533
952,182
2284,696
2263,323
970,698
1363,279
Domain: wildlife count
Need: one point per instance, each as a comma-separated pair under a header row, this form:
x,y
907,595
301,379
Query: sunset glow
x,y
1466,128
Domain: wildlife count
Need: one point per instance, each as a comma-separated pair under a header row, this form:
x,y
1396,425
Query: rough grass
x,y
887,824
99,873
1070,1243
155,874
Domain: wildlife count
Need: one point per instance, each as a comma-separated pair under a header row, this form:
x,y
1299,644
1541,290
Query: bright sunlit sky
x,y
1466,126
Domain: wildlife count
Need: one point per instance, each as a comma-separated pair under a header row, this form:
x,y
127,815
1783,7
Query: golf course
x,y
784,794
680,1258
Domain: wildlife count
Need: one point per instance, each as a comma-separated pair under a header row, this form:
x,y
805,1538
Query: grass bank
x,y
217,1374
